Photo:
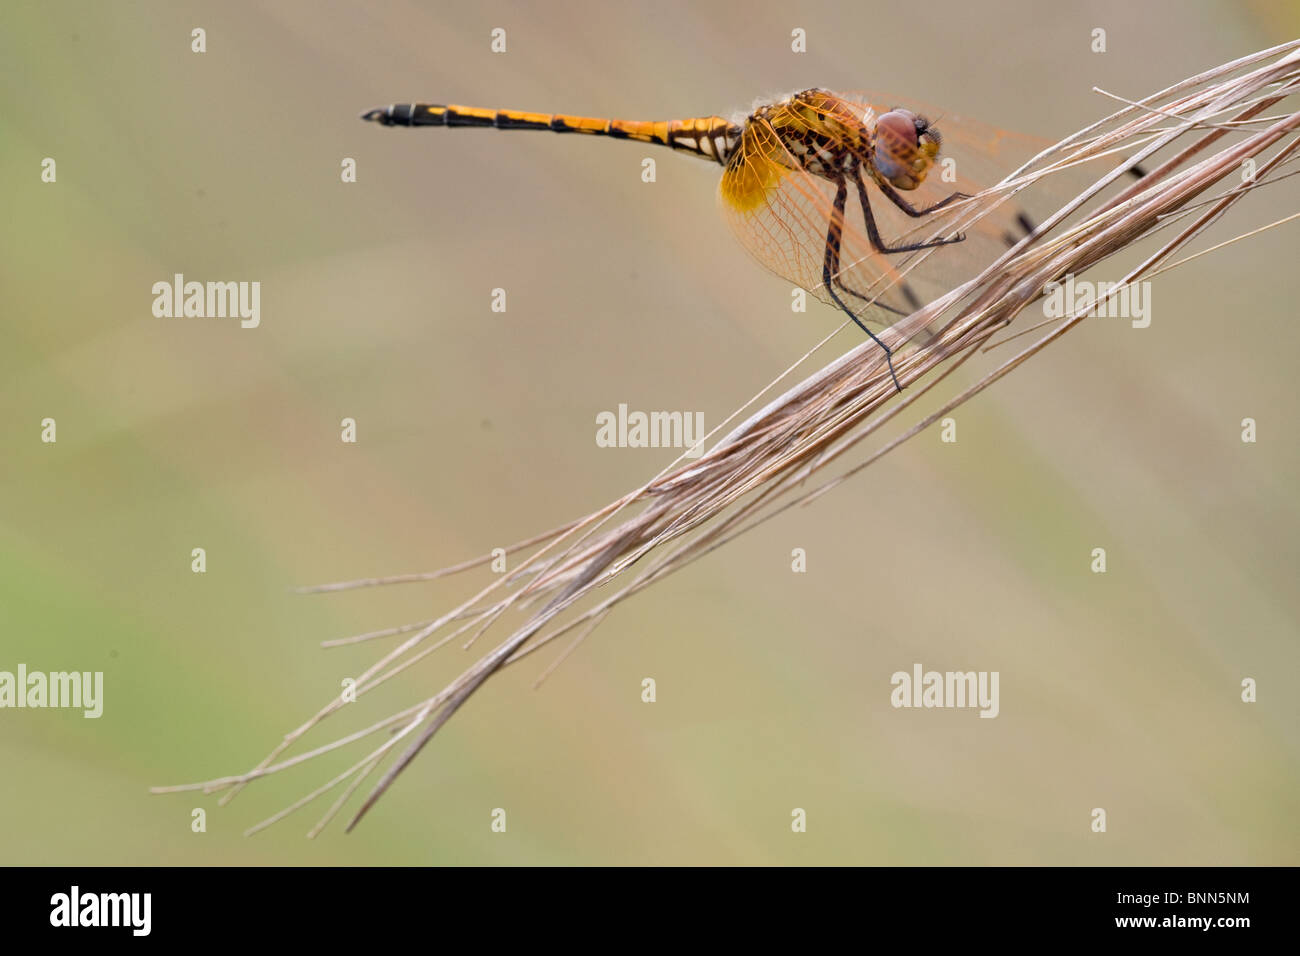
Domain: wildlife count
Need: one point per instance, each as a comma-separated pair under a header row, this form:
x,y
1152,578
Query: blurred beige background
x,y
476,429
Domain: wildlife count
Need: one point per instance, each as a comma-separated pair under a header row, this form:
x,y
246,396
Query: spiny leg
x,y
873,233
902,285
913,300
905,289
874,301
878,244
831,265
892,195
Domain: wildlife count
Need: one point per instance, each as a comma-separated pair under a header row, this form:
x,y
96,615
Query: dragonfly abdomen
x,y
710,137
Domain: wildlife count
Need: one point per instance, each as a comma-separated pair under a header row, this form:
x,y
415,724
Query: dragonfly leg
x,y
892,194
831,266
874,301
874,234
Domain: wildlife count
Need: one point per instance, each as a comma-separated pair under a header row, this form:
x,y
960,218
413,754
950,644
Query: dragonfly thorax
x,y
826,136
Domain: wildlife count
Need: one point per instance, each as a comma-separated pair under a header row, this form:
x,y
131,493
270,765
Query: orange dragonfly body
x,y
796,189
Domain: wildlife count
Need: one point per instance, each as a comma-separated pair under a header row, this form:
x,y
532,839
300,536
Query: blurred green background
x,y
476,429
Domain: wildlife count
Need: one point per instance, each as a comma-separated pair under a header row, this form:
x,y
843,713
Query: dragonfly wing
x,y
781,212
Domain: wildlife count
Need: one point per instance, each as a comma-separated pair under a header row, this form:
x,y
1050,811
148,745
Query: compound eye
x,y
905,148
897,131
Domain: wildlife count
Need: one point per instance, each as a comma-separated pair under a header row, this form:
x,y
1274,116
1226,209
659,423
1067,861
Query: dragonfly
x,y
799,176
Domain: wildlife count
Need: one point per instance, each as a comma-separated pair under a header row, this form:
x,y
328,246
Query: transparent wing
x,y
778,212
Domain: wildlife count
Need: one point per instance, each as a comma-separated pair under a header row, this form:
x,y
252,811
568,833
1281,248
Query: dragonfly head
x,y
904,147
